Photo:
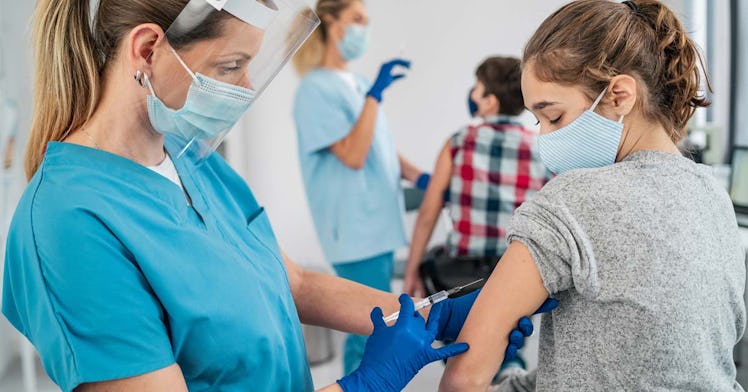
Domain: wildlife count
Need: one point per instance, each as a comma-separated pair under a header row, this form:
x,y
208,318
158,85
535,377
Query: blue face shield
x,y
589,141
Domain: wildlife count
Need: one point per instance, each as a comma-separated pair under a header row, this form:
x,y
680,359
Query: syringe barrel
x,y
438,297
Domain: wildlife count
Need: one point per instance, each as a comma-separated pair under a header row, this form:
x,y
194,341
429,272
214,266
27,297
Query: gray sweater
x,y
646,261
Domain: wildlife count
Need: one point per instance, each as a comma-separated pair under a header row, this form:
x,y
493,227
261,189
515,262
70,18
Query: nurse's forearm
x,y
336,303
353,149
428,213
408,170
331,388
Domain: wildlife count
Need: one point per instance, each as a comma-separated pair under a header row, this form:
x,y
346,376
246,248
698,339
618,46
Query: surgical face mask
x,y
355,42
472,105
589,141
211,107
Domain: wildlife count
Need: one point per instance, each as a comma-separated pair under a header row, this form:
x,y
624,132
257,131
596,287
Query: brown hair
x,y
588,42
310,54
502,77
70,59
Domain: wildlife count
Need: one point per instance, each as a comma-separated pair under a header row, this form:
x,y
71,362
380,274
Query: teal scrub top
x,y
357,213
111,274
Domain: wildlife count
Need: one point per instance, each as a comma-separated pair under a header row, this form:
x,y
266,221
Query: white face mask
x,y
587,142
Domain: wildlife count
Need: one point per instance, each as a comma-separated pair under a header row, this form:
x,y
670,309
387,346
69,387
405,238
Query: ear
x,y
494,104
622,94
328,19
140,45
334,30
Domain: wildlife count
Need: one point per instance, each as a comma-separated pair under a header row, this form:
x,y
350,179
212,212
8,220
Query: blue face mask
x,y
355,42
472,105
587,142
211,107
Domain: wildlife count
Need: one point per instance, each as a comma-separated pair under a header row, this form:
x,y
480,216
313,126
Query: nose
x,y
244,81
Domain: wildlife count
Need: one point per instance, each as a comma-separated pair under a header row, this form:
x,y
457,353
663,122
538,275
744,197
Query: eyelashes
x,y
553,122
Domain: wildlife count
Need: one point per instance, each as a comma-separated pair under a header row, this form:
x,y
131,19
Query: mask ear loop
x,y
147,82
600,98
189,71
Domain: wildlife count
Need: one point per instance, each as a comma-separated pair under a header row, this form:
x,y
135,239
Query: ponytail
x,y
67,81
309,56
682,68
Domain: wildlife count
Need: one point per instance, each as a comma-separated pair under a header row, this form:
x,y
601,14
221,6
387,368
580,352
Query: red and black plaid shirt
x,y
495,168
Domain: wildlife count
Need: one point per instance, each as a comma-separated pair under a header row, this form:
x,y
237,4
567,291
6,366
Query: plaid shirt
x,y
495,168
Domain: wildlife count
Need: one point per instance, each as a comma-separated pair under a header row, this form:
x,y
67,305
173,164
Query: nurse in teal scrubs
x,y
137,259
349,163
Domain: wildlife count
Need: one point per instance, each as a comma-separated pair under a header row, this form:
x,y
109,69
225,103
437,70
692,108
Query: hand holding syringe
x,y
432,299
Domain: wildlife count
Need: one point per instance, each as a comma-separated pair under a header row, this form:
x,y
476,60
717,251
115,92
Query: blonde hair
x,y
71,56
310,54
67,79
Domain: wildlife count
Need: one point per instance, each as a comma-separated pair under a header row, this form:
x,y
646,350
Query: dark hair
x,y
502,77
588,42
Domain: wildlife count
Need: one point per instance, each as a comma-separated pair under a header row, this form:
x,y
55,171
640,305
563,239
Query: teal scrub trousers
x,y
374,272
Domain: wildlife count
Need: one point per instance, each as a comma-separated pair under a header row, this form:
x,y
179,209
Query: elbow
x,y
354,163
296,278
348,155
462,382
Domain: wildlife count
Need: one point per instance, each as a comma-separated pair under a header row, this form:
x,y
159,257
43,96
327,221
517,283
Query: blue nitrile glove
x,y
423,181
386,77
394,355
455,311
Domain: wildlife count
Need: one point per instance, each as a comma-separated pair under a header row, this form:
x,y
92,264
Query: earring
x,y
139,78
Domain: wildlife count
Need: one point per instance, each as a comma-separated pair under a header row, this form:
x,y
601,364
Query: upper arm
x,y
514,289
433,200
168,379
549,252
341,150
321,116
295,274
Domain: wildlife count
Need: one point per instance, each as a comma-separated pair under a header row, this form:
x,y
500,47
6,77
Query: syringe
x,y
432,299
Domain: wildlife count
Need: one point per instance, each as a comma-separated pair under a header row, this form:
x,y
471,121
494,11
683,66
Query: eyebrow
x,y
541,105
243,55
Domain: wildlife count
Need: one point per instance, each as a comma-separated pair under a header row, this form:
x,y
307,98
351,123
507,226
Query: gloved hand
x,y
525,329
394,355
386,77
423,181
455,311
